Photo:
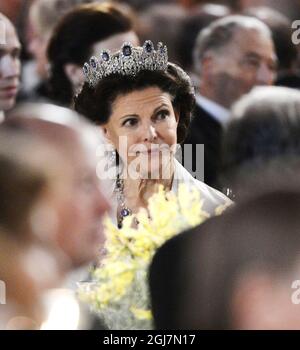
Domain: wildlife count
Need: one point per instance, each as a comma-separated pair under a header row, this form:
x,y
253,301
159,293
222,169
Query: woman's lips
x,y
153,151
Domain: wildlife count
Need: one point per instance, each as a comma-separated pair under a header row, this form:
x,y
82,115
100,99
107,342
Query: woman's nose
x,y
150,133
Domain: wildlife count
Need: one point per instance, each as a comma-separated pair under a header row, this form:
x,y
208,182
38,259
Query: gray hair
x,y
220,34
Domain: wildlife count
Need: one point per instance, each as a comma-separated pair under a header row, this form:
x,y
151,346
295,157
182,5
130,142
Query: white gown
x,y
212,198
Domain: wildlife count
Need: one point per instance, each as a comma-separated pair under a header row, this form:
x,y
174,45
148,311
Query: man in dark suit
x,y
232,54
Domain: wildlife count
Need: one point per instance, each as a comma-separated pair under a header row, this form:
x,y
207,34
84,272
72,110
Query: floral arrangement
x,y
119,291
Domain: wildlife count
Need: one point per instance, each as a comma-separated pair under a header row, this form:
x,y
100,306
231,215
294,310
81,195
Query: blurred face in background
x,y
112,43
10,65
248,61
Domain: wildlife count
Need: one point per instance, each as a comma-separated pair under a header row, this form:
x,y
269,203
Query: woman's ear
x,y
106,133
177,114
74,74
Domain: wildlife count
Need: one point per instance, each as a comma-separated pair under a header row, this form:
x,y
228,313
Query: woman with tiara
x,y
144,105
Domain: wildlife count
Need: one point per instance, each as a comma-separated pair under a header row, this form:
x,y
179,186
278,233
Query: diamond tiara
x,y
128,61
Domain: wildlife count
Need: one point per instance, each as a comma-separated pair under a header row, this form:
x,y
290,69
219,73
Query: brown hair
x,y
96,103
74,37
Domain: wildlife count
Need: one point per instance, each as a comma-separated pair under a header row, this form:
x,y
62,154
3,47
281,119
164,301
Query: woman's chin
x,y
152,167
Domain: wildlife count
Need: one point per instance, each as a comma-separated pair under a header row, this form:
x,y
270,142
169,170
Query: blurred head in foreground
x,y
76,209
236,271
52,207
31,178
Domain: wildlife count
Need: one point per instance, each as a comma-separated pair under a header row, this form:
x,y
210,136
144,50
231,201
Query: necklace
x,y
125,211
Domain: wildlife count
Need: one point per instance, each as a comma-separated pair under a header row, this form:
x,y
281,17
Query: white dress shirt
x,y
218,112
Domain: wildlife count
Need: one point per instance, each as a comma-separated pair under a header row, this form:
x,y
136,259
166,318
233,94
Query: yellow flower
x,y
121,280
141,314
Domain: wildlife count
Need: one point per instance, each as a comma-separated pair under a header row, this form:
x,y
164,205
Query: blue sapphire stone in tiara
x,y
86,69
148,47
126,50
128,61
94,62
105,56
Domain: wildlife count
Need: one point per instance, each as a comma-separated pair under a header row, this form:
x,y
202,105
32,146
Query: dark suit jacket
x,y
289,80
204,129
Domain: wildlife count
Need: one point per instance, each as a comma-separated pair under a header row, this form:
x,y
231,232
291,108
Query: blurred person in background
x,y
168,16
10,65
97,27
43,16
286,50
263,134
189,29
143,6
235,271
232,55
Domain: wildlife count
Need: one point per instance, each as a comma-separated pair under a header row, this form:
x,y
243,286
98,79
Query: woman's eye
x,y
130,122
161,115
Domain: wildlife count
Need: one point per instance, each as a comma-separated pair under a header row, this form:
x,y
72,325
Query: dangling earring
x,y
113,157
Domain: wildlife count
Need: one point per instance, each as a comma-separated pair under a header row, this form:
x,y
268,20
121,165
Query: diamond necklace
x,y
125,211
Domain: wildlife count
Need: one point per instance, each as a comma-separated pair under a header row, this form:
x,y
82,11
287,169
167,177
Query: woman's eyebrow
x,y
129,115
159,107
155,110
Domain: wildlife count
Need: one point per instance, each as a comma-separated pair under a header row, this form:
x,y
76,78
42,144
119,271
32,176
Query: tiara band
x,y
128,61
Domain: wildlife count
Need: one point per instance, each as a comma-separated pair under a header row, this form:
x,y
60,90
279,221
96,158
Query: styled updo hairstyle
x,y
95,103
73,40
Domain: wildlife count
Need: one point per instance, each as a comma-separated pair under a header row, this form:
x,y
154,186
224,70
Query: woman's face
x,y
143,129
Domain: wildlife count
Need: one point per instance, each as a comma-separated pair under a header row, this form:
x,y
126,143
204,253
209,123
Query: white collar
x,y
218,112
